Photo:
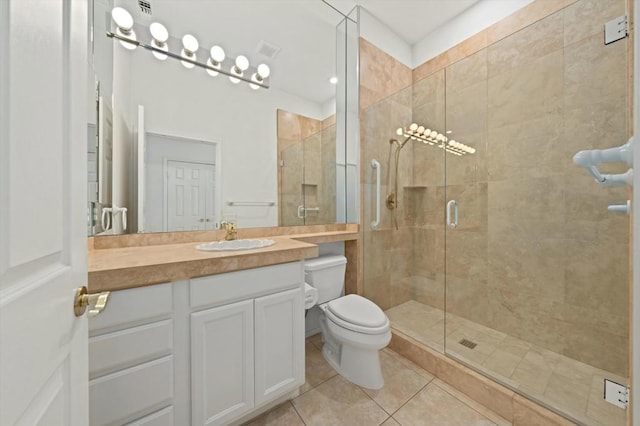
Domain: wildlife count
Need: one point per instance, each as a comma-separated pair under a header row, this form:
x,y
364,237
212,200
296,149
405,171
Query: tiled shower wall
x,y
536,254
307,168
385,105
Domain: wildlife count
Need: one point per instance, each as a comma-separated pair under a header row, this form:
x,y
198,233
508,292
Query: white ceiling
x,y
303,29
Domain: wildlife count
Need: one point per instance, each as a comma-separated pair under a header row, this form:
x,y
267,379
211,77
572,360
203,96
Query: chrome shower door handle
x,y
452,224
376,165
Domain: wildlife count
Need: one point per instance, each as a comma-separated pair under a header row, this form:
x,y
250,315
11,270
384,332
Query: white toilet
x,y
353,328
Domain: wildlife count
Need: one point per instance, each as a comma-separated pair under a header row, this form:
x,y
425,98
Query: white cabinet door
x,y
222,363
279,344
43,199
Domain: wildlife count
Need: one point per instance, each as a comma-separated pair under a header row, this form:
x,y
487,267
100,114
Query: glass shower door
x,y
536,267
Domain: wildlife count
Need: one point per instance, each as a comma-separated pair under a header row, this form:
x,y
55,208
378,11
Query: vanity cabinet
x,y
208,351
250,352
131,358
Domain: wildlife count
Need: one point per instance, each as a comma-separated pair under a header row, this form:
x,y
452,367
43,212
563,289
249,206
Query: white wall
x,y
189,103
475,19
122,133
383,37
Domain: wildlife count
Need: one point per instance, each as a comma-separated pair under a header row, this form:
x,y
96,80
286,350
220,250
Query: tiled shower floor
x,y
553,379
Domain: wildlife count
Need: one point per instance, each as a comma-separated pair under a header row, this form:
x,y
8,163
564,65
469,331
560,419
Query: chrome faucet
x,y
230,227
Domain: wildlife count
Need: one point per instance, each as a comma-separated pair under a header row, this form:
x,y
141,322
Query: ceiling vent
x,y
267,49
145,7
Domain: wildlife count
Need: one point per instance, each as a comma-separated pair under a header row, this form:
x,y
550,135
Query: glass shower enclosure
x,y
493,247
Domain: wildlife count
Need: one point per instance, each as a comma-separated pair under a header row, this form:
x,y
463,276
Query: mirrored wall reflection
x,y
100,121
153,97
307,170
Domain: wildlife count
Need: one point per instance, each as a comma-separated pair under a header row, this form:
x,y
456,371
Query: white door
x,y
222,363
189,196
43,195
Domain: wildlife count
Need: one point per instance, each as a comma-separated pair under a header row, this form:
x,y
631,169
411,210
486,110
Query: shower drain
x,y
468,343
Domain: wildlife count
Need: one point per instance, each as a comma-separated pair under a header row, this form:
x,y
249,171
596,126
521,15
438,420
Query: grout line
x,y
297,412
412,396
473,408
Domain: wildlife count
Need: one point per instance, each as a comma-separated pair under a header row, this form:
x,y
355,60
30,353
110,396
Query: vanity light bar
x,y
434,138
237,69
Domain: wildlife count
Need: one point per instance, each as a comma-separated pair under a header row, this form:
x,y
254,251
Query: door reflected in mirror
x,y
191,148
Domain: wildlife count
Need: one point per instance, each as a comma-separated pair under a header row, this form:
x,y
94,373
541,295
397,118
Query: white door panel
x,y
189,195
43,194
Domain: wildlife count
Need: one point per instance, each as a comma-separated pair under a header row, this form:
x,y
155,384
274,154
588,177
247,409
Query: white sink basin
x,y
248,244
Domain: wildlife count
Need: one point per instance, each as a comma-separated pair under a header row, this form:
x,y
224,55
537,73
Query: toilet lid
x,y
357,310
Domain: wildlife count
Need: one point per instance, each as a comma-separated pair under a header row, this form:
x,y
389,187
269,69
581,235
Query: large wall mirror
x,y
173,148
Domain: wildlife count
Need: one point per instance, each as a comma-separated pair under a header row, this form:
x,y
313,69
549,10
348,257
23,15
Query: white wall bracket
x,y
616,394
590,159
621,208
616,29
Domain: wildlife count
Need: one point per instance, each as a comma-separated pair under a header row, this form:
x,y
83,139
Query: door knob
x,y
83,299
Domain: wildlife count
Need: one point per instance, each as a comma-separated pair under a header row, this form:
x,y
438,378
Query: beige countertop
x,y
128,267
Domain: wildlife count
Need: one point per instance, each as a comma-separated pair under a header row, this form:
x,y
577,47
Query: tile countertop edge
x,y
150,273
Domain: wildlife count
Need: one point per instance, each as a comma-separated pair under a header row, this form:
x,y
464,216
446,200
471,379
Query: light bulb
x,y
122,18
333,80
264,71
190,47
217,54
124,24
452,142
256,78
242,63
160,36
427,132
433,134
216,57
399,131
413,127
420,129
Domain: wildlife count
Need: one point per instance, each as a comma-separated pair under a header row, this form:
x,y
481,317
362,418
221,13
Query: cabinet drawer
x,y
131,393
163,417
133,306
234,286
122,349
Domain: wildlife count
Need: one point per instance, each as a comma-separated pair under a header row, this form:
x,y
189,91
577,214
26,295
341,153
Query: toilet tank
x,y
326,274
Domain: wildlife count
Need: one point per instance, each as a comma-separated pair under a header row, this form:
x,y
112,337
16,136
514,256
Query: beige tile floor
x,y
552,379
410,396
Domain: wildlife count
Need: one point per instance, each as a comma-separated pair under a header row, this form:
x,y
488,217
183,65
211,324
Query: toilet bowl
x,y
354,329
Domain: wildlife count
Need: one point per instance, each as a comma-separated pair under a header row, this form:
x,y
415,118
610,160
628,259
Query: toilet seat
x,y
357,314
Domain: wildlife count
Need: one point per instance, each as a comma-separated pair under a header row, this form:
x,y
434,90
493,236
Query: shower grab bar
x,y
454,204
302,211
376,165
251,203
589,160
